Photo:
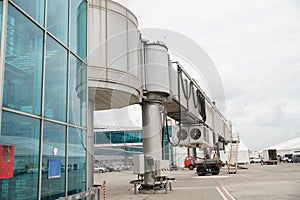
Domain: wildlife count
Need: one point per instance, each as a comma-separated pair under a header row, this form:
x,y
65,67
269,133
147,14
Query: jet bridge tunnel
x,y
125,69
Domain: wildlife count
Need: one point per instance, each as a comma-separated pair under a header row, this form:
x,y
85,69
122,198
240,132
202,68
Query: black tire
x,y
215,170
191,167
201,171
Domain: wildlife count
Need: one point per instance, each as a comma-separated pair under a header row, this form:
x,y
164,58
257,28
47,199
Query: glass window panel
x,y
78,23
77,92
133,136
23,64
24,133
0,20
117,137
54,142
56,80
76,160
102,138
35,8
57,19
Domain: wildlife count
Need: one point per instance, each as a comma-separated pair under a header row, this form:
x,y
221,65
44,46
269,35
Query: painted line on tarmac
x,y
210,177
193,188
224,193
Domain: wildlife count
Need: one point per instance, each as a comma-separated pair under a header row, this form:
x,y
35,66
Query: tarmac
x,y
265,182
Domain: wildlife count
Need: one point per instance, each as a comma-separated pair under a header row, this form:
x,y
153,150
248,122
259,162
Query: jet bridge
x,y
124,69
169,91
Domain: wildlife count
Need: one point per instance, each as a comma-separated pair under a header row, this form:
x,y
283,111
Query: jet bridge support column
x,y
152,126
156,91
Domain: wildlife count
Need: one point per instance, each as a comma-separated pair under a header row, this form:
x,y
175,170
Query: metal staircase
x,y
233,159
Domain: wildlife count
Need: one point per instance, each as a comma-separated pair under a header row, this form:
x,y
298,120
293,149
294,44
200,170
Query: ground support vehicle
x,y
189,162
287,158
270,156
296,156
208,166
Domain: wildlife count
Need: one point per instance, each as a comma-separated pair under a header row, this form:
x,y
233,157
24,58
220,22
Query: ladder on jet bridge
x,y
233,159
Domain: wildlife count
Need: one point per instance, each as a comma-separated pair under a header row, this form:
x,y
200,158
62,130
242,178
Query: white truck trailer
x,y
270,156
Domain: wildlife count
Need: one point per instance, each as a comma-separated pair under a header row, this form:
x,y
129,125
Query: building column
x,y
152,126
90,144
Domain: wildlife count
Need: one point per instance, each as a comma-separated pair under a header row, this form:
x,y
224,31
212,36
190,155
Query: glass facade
x,y
57,19
23,64
124,144
0,20
54,146
24,133
76,160
35,8
56,80
78,27
44,98
117,137
77,100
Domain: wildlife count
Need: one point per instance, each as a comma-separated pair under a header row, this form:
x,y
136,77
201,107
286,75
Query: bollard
x,y
104,190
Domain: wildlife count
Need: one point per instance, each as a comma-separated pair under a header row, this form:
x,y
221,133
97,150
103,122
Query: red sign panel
x,y
7,156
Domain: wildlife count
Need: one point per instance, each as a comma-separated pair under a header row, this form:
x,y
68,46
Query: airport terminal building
x,y
43,89
58,66
62,60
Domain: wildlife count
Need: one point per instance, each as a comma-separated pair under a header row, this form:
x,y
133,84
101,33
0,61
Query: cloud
x,y
255,46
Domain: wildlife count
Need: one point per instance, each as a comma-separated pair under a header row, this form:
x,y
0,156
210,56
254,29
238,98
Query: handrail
x,y
93,191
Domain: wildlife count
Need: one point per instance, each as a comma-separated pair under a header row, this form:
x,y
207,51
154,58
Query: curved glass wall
x,y
77,100
78,27
44,98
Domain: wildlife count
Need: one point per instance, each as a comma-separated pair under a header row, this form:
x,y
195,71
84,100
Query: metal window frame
x,y
41,116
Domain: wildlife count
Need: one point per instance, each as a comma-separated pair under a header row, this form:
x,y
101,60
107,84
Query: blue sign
x,y
54,168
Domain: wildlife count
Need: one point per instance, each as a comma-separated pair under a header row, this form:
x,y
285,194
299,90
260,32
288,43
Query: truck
x,y
203,166
189,162
208,166
270,156
296,156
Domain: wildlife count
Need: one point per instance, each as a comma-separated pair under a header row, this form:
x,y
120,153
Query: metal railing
x,y
92,192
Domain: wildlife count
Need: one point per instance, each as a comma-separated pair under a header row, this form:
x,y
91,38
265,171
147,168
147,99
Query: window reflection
x,y
23,64
0,20
76,160
56,81
35,8
54,142
24,133
102,138
77,92
78,27
57,19
129,136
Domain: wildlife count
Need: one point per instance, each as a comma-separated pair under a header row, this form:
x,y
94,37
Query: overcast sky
x,y
255,46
